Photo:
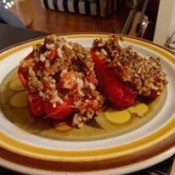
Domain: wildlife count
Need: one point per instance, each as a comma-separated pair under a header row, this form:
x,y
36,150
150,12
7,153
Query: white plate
x,y
134,150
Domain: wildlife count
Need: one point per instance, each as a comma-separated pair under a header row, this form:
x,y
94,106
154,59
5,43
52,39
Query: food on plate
x,y
70,84
61,83
16,85
139,109
63,126
142,75
119,117
114,89
19,99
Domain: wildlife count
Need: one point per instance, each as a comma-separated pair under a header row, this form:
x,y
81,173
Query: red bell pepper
x,y
113,88
60,111
23,72
38,107
53,54
35,103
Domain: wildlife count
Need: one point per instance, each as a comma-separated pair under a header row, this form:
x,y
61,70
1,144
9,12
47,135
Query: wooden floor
x,y
37,18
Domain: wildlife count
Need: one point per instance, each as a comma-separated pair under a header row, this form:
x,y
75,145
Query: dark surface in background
x,y
10,35
151,12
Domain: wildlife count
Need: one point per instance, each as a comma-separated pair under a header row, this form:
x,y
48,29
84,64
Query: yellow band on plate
x,y
152,139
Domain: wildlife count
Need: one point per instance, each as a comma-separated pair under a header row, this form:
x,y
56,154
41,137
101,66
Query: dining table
x,y
11,36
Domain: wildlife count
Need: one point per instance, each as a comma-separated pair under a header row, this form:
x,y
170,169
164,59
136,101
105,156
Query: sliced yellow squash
x,y
63,127
140,109
19,99
104,122
118,117
16,85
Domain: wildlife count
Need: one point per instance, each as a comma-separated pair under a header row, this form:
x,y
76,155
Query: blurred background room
x,y
133,17
149,19
152,20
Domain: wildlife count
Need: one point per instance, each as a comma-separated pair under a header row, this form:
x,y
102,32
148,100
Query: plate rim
x,y
29,42
125,169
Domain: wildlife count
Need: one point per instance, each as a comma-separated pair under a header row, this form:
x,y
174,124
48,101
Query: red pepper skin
x,y
38,107
150,98
61,111
23,72
53,54
153,95
112,87
35,104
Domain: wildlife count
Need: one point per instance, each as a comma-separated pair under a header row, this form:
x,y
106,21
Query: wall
x,y
165,21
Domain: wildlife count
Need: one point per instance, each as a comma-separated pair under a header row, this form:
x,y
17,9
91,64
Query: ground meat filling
x,y
143,73
60,69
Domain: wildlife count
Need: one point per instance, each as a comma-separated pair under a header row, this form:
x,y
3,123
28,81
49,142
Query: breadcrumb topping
x,y
60,69
142,73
